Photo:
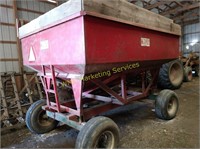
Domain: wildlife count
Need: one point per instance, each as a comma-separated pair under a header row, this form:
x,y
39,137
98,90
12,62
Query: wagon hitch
x,y
64,119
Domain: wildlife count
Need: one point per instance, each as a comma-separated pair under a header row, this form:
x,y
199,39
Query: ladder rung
x,y
51,91
50,77
8,82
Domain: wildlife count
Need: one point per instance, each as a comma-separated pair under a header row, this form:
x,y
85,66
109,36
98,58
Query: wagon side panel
x,y
61,45
113,42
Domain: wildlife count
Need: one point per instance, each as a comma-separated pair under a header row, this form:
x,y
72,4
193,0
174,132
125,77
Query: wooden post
x,y
21,68
3,99
17,99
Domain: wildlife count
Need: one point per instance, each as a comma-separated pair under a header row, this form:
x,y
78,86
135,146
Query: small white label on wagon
x,y
145,42
44,45
31,57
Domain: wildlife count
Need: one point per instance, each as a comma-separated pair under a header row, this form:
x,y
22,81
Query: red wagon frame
x,y
76,116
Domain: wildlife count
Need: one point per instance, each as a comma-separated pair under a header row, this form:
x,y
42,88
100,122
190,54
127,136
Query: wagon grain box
x,y
99,46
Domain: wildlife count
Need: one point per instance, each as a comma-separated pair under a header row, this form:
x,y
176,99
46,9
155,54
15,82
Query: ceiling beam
x,y
49,2
157,4
179,12
178,3
186,15
167,6
184,8
132,1
187,22
183,14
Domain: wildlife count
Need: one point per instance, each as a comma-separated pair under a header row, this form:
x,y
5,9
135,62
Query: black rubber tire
x,y
196,71
166,105
187,74
98,129
33,119
174,69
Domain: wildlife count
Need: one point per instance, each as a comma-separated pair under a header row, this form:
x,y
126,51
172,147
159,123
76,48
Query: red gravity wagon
x,y
101,58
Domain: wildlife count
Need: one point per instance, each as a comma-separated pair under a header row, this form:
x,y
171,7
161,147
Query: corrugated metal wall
x,y
8,44
191,38
27,10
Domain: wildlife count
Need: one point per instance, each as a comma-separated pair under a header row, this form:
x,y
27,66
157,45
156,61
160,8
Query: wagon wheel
x,y
171,75
166,105
99,132
187,74
197,71
36,119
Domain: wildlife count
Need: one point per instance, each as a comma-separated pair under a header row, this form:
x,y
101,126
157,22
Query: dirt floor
x,y
138,125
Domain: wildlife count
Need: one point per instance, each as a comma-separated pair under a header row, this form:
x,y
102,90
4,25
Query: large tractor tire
x,y
166,105
187,74
99,132
171,75
36,119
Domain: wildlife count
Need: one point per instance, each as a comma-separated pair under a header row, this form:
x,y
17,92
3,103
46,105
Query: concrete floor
x,y
138,125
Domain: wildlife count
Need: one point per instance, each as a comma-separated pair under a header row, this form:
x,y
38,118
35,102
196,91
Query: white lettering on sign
x,y
31,57
44,45
145,42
